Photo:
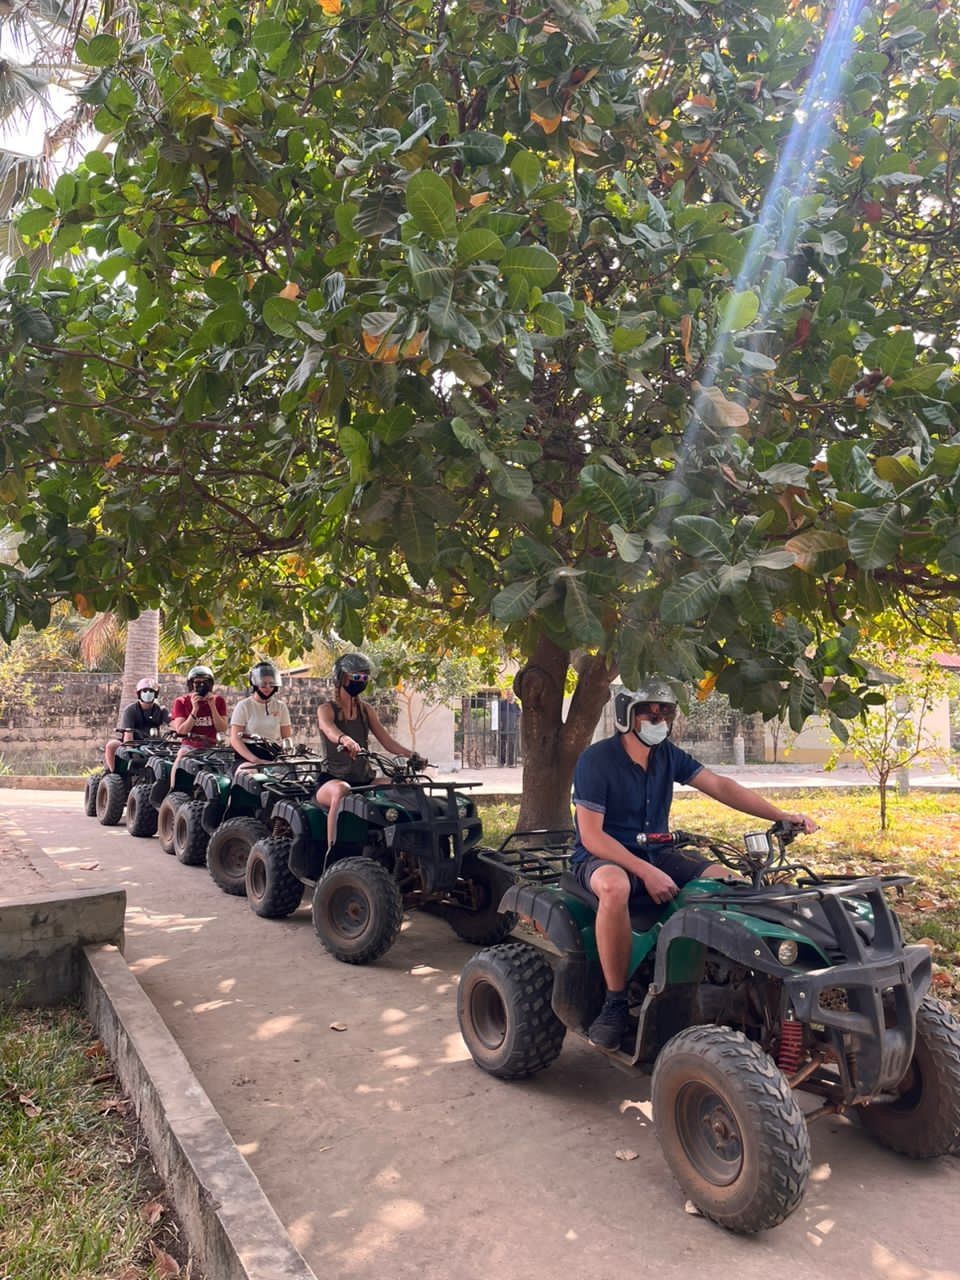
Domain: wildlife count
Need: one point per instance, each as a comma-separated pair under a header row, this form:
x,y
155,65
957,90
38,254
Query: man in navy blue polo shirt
x,y
622,788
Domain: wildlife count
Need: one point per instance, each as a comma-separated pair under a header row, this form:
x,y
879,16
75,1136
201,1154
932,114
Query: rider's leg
x,y
611,884
110,753
330,797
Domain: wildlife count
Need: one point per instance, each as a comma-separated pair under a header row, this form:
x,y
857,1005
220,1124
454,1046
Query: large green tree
x,y
629,325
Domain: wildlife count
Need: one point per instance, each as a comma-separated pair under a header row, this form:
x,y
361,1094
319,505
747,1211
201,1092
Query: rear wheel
x,y
90,793
273,891
228,851
166,817
189,837
503,1005
730,1128
357,910
925,1120
485,925
111,799
141,815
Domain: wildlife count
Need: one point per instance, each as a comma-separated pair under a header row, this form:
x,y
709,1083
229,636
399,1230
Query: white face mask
x,y
147,696
651,735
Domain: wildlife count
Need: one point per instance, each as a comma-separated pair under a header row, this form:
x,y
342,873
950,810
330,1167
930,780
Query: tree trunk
x,y
142,653
552,745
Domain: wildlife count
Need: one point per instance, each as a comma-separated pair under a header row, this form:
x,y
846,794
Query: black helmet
x,y
265,671
351,664
653,689
199,673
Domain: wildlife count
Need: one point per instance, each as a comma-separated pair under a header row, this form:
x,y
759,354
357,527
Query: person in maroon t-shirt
x,y
200,714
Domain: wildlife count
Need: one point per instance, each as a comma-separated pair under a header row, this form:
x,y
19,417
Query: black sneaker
x,y
610,1025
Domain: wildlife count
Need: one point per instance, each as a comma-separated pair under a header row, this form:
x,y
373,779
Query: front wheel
x,y
730,1128
357,910
228,851
111,799
141,815
167,816
924,1122
484,924
90,793
273,891
189,837
503,1005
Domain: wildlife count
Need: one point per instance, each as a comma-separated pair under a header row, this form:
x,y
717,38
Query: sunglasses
x,y
654,709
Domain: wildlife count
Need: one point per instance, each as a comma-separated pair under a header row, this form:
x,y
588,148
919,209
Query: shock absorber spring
x,y
790,1053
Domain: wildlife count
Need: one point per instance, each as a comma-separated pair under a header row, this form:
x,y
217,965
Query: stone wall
x,y
68,716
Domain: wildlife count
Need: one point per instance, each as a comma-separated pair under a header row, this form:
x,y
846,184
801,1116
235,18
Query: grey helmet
x,y
653,689
199,673
351,664
265,671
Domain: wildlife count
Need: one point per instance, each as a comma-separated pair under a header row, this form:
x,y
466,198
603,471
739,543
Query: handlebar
x,y
396,768
762,860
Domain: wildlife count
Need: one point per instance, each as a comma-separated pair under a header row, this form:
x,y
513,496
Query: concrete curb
x,y
228,1220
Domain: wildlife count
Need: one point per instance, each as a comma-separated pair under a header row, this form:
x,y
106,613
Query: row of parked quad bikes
x,y
409,843
742,994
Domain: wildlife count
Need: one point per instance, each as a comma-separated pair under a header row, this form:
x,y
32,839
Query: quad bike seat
x,y
642,917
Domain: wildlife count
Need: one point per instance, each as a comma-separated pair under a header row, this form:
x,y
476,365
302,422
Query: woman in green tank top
x,y
346,724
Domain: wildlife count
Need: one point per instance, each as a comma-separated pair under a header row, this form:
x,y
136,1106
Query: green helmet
x,y
653,689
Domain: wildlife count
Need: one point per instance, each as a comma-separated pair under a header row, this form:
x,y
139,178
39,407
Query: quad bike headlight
x,y
787,952
391,815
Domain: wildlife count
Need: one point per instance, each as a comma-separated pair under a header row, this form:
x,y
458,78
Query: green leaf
x,y
431,205
514,602
416,533
280,315
526,168
356,450
875,536
481,148
429,276
466,435
524,354
101,51
536,266
479,244
34,221
582,622
467,368
895,354
701,537
611,496
844,372
690,598
631,547
739,311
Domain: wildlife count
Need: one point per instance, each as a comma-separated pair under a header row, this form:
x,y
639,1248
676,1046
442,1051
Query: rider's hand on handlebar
x,y
418,762
807,825
349,745
657,883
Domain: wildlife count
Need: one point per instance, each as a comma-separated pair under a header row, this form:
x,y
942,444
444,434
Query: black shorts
x,y
680,866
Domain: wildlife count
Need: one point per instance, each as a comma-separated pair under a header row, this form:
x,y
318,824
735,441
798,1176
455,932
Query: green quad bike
x,y
236,811
403,841
177,800
107,794
740,993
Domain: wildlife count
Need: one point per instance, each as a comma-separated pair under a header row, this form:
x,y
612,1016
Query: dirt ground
x,y
387,1153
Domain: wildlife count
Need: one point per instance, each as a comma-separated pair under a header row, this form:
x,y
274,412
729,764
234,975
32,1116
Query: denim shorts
x,y
680,866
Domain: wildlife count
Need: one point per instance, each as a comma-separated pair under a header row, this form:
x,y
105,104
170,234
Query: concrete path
x,y
387,1153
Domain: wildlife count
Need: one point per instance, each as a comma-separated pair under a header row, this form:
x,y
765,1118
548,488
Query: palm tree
x,y
43,112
